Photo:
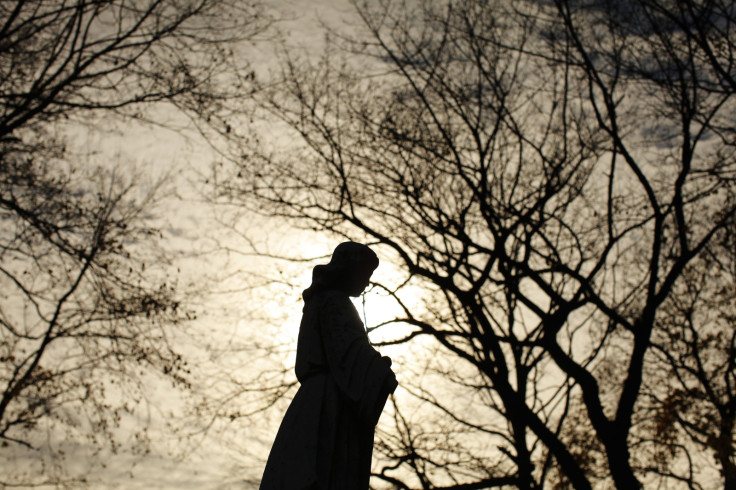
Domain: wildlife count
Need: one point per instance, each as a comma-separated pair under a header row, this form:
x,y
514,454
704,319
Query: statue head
x,y
349,270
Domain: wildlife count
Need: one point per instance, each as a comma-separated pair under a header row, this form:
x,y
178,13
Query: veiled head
x,y
349,270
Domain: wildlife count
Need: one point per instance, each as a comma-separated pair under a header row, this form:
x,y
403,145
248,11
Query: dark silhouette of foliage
x,y
86,307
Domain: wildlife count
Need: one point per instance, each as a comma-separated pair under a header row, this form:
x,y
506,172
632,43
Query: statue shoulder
x,y
335,307
331,298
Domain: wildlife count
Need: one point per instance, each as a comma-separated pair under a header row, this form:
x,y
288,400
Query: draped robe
x,y
326,437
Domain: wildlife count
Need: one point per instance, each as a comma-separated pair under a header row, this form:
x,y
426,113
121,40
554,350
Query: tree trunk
x,y
723,447
621,471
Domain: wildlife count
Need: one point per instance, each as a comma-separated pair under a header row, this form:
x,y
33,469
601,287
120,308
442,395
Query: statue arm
x,y
360,372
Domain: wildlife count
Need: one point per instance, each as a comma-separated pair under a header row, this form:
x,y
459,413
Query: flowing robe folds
x,y
326,437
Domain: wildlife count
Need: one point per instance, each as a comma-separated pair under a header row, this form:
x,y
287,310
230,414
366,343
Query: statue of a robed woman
x,y
326,437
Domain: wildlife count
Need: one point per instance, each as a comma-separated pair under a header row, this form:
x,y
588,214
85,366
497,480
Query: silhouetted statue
x,y
326,438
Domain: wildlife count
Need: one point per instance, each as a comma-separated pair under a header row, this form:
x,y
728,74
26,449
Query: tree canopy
x,y
87,304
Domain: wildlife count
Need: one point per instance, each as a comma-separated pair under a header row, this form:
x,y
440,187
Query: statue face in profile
x,y
358,279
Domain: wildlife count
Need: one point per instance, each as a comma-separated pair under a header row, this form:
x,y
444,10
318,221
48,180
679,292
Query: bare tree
x,y
87,306
77,304
548,173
